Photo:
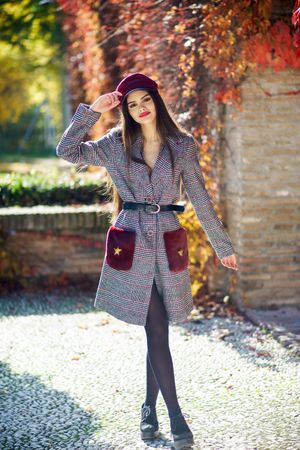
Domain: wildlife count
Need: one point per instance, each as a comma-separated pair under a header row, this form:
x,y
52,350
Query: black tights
x,y
160,371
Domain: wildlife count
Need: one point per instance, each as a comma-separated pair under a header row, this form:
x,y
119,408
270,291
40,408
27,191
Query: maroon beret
x,y
133,82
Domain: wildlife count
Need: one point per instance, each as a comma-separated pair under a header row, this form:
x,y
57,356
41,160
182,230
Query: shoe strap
x,y
146,411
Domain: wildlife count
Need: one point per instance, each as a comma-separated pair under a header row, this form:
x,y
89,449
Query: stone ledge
x,y
45,209
283,323
56,217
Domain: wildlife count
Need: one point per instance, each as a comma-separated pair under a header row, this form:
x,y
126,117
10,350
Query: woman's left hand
x,y
230,261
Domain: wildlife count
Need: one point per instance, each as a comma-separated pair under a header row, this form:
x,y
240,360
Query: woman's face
x,y
141,107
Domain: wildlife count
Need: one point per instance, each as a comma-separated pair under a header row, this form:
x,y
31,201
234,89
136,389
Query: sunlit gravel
x,y
74,378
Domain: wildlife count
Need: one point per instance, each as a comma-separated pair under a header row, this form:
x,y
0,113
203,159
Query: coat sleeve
x,y
72,149
193,182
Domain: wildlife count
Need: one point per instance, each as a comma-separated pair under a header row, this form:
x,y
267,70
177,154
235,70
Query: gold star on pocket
x,y
180,252
117,250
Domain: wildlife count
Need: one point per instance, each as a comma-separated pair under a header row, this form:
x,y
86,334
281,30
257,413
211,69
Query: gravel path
x,y
74,378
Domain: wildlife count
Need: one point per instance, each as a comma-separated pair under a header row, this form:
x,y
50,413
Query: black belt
x,y
152,208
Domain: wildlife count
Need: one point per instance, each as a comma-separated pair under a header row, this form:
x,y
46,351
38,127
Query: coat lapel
x,y
139,171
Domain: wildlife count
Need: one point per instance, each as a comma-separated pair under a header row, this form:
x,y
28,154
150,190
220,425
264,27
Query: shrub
x,y
53,189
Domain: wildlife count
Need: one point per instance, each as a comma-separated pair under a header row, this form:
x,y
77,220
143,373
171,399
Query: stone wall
x,y
261,186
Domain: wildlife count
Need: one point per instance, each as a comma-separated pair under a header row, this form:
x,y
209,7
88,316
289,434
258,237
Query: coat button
x,y
148,199
150,233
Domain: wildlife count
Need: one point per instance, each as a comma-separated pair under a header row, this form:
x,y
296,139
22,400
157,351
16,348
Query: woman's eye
x,y
133,105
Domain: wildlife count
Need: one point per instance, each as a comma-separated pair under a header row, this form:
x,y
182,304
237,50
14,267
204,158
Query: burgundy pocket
x,y
176,246
119,248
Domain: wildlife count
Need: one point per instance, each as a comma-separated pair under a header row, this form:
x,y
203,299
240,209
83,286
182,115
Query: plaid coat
x,y
125,294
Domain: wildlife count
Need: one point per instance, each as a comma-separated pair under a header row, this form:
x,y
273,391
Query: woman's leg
x,y
160,359
152,387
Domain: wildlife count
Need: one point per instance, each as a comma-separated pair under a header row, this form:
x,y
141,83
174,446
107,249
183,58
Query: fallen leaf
x,y
223,333
263,353
250,347
241,318
103,322
90,408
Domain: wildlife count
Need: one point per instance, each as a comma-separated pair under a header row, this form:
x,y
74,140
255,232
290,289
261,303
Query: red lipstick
x,y
144,114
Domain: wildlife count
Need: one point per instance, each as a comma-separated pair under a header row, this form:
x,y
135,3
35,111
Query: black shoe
x,y
181,433
149,424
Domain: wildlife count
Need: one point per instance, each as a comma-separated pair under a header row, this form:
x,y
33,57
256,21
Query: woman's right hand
x,y
106,102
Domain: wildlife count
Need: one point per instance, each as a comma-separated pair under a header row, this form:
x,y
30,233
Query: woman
x,y
144,277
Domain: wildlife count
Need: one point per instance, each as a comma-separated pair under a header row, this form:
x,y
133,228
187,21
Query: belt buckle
x,y
153,203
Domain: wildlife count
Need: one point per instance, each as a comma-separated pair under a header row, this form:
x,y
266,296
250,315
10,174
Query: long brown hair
x,y
130,130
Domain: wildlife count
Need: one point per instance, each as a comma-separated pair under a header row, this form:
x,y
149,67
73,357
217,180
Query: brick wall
x,y
54,240
261,181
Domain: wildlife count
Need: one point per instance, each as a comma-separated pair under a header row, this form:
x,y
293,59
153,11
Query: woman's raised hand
x,y
106,102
